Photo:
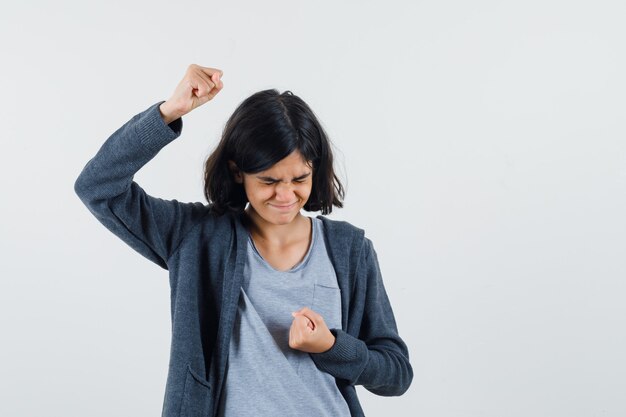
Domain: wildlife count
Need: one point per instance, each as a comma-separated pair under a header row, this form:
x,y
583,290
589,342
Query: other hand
x,y
309,333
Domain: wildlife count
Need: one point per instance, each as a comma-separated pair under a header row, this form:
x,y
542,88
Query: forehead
x,y
292,164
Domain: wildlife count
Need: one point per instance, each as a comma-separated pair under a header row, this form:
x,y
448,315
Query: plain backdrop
x,y
481,144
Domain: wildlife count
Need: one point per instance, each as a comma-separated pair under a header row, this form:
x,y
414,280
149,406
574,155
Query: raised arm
x,y
152,226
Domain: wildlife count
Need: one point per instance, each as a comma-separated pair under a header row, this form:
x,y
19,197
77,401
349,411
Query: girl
x,y
274,313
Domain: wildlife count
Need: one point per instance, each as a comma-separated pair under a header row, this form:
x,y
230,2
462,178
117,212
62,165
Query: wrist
x,y
331,341
167,114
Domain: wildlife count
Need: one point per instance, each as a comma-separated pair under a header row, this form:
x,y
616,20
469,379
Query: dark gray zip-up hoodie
x,y
204,254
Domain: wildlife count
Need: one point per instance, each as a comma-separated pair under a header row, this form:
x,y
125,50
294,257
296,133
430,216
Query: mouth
x,y
285,207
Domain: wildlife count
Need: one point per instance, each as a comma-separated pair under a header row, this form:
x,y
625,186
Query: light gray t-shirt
x,y
264,376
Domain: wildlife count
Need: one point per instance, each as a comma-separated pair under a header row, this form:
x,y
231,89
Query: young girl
x,y
274,313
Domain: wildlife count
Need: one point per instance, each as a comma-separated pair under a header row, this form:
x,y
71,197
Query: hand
x,y
199,85
309,332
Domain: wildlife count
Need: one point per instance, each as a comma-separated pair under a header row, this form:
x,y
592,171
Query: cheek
x,y
305,191
259,194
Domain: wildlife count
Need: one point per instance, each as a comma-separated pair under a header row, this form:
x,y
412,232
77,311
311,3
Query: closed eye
x,y
270,180
273,182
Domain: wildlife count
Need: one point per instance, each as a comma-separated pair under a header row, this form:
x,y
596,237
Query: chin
x,y
280,218
284,218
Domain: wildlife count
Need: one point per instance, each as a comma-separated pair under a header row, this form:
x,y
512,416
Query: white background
x,y
481,143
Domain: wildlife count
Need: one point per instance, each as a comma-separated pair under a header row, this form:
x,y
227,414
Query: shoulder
x,y
345,237
341,228
220,225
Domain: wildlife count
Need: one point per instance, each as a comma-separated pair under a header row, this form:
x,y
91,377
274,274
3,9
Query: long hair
x,y
265,128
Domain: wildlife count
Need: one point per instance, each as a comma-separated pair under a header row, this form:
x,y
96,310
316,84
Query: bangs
x,y
257,147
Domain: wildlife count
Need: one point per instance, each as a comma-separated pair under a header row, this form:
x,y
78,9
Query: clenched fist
x,y
309,333
199,85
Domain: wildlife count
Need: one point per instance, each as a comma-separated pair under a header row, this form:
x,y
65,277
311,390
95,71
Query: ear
x,y
236,172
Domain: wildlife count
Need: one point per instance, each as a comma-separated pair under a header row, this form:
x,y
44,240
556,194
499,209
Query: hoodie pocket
x,y
197,401
327,302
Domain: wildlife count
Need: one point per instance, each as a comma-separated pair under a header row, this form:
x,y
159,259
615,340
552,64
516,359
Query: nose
x,y
284,193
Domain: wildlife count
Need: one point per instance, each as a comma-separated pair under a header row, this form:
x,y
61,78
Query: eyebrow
x,y
301,177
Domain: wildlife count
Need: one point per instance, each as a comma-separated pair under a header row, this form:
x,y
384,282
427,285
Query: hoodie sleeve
x,y
152,226
378,359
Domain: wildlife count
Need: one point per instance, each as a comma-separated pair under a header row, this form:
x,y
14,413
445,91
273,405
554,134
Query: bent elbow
x,y
81,187
396,388
78,189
